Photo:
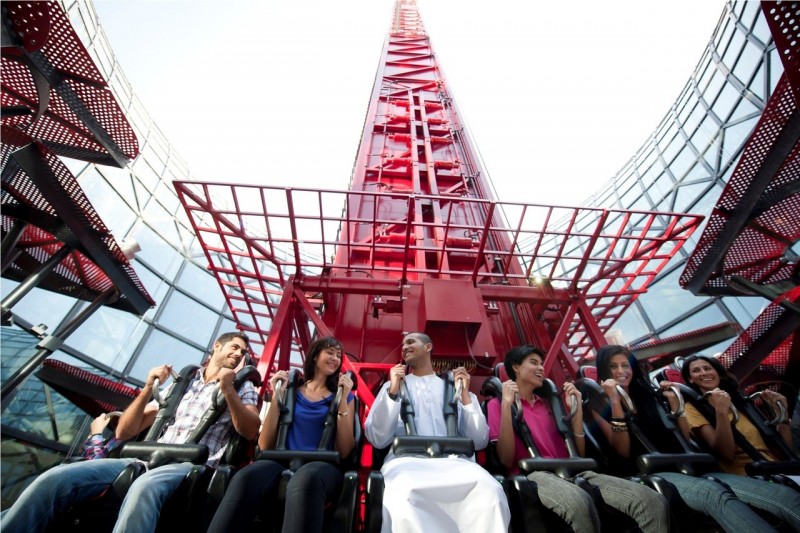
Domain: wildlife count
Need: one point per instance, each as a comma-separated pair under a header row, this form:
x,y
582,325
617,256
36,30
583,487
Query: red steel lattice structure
x,y
418,244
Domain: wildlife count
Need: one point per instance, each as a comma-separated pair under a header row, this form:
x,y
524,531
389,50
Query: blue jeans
x,y
66,484
143,502
717,502
58,488
774,498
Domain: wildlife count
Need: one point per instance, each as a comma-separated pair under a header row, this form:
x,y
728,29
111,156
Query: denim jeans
x,y
142,505
716,501
56,489
774,498
567,500
66,484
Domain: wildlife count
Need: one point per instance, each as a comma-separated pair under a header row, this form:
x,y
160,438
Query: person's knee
x,y
654,503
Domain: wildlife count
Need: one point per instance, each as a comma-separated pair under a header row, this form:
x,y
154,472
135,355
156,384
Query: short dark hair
x,y
423,337
229,336
310,364
516,355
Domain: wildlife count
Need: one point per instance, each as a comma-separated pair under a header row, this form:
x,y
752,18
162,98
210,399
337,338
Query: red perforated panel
x,y
769,338
57,211
783,19
82,120
92,393
757,217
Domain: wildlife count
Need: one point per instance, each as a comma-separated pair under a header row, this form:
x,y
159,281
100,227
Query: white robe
x,y
449,494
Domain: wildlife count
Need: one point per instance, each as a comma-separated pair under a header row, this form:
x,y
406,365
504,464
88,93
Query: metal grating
x,y
663,351
767,342
52,90
757,218
92,393
782,19
57,212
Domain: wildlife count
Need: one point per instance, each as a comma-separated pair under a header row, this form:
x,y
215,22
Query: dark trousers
x,y
254,489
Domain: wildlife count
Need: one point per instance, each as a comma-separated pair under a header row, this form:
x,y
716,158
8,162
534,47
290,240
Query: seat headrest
x,y
588,372
500,372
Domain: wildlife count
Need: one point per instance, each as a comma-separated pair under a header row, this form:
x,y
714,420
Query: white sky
x,y
557,95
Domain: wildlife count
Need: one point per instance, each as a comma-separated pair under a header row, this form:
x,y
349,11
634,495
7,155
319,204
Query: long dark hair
x,y
726,381
641,392
310,364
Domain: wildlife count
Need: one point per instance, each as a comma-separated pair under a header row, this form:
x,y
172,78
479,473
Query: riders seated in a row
x,y
431,479
726,502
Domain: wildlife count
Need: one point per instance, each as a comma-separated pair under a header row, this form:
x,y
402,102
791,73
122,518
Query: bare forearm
x,y
244,418
345,438
266,441
506,447
131,421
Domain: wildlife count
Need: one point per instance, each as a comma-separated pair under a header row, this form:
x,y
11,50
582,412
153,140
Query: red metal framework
x,y
264,243
769,349
52,90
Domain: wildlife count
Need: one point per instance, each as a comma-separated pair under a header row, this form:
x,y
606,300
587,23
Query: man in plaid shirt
x,y
70,483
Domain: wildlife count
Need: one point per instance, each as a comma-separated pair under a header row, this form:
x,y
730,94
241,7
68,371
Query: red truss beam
x,y
52,90
255,237
664,351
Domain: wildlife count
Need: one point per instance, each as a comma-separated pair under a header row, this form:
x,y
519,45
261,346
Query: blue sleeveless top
x,y
308,423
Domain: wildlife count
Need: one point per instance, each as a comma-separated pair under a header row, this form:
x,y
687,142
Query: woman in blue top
x,y
313,485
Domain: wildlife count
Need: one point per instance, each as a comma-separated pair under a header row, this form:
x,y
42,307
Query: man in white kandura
x,y
445,494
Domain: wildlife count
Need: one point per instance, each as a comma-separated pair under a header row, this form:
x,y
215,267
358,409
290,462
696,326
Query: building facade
x,y
683,167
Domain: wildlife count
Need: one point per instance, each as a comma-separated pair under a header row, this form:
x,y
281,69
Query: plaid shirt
x,y
190,410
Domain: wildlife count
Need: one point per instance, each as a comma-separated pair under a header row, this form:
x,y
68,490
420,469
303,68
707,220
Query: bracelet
x,y
622,420
344,413
391,396
578,434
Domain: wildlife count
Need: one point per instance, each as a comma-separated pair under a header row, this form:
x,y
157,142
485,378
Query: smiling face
x,y
230,354
530,370
704,375
620,369
329,360
414,350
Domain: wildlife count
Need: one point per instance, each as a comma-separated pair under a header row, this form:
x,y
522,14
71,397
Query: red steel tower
x,y
418,243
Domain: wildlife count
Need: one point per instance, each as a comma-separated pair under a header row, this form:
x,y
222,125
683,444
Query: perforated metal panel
x,y
57,211
52,90
757,217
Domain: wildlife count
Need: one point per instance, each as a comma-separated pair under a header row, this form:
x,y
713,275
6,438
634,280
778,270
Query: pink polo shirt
x,y
543,428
